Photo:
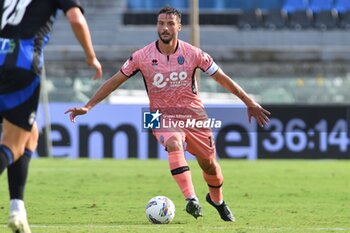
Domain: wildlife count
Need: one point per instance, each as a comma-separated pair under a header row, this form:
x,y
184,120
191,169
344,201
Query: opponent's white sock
x,y
17,205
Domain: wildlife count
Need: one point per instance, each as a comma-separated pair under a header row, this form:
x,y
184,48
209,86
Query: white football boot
x,y
18,217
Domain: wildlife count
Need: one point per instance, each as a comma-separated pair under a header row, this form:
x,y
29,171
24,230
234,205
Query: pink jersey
x,y
170,79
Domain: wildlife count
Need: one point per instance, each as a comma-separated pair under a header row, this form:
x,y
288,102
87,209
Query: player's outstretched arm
x,y
254,109
105,90
82,33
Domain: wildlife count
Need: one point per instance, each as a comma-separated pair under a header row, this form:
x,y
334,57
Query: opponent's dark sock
x,y
6,158
17,175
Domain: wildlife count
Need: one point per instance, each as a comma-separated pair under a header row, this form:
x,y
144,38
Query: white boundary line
x,y
151,226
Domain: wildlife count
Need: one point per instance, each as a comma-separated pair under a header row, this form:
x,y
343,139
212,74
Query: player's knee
x,y
17,151
174,144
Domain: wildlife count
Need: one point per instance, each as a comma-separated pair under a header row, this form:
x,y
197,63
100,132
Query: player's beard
x,y
165,41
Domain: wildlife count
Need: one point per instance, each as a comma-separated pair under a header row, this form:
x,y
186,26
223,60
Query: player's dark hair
x,y
170,11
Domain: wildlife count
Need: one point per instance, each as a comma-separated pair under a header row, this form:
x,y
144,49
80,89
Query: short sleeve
x,y
206,63
65,5
131,66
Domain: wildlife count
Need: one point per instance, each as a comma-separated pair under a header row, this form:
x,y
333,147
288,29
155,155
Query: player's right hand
x,y
76,112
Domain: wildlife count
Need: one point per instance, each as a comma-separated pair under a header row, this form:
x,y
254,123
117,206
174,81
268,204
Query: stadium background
x,y
291,55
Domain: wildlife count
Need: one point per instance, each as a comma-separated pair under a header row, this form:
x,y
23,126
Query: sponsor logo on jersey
x,y
174,79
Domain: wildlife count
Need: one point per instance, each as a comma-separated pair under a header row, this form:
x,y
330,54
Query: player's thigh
x,y
170,139
201,144
14,137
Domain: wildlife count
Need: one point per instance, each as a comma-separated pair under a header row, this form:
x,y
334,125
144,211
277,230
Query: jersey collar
x,y
177,45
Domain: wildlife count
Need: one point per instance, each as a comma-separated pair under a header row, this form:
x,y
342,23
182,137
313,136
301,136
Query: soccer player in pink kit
x,y
168,67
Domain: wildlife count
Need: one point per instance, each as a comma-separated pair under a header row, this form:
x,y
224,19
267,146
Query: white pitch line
x,y
100,226
153,226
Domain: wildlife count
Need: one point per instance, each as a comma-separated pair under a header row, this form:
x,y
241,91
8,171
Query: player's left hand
x,y
74,112
259,113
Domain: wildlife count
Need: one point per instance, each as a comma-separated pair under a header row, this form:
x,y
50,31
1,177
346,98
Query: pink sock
x,y
181,173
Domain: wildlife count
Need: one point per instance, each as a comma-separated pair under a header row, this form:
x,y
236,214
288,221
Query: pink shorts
x,y
198,142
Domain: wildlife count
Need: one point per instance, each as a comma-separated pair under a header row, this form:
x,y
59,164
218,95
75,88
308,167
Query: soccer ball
x,y
160,210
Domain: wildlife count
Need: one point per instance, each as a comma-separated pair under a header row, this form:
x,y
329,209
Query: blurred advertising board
x,y
124,131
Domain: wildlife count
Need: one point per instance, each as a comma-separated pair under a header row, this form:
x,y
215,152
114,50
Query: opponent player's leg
x,y
18,119
15,139
18,171
17,176
12,145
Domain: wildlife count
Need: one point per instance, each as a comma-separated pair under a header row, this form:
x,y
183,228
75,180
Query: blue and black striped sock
x,y
6,158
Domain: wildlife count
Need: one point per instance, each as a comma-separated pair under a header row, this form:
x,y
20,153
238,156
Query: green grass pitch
x,y
110,196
